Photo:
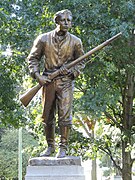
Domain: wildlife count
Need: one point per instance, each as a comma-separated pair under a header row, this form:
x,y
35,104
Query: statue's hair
x,y
59,13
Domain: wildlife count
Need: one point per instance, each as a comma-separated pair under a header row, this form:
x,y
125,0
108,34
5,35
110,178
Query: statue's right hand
x,y
42,80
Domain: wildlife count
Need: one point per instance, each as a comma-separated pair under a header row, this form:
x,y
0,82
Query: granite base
x,y
51,168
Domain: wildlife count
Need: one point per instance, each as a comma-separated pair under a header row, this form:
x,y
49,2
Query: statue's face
x,y
64,22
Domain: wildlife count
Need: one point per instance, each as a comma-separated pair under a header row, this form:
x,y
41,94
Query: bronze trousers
x,y
58,95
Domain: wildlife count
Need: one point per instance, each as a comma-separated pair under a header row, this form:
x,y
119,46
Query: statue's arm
x,y
77,69
35,57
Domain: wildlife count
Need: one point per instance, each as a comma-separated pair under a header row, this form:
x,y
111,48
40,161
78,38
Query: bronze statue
x,y
28,96
58,48
63,55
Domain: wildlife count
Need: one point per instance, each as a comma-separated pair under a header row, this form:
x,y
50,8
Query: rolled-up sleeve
x,y
35,56
77,53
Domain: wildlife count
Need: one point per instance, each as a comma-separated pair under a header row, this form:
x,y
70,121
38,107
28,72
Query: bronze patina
x,y
58,47
28,96
63,55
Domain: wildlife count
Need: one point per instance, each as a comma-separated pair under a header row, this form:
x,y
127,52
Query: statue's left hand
x,y
64,70
42,80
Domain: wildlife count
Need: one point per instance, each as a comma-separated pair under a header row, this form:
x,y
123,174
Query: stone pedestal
x,y
117,178
51,168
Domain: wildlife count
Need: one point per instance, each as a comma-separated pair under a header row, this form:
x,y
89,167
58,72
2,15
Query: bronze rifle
x,y
28,96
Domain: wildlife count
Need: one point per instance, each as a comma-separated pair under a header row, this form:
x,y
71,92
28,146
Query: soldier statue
x,y
58,48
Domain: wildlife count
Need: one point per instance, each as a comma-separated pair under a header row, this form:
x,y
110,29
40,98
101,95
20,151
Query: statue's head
x,y
63,19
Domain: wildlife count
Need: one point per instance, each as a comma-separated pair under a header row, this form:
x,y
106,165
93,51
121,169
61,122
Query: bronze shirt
x,y
56,51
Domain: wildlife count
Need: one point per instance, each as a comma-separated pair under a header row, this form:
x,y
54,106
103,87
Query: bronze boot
x,y
49,132
64,132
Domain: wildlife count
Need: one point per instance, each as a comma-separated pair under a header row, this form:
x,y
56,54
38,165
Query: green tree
x,y
9,152
107,84
21,22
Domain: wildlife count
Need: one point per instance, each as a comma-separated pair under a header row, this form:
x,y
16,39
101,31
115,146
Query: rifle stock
x,y
28,96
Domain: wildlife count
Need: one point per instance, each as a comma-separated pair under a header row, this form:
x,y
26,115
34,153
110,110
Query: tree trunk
x,y
127,125
94,165
94,170
126,161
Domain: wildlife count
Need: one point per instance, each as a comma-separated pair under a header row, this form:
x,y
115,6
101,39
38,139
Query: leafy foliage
x,y
9,152
105,91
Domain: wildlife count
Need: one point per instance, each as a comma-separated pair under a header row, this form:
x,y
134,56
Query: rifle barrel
x,y
78,60
93,51
27,97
